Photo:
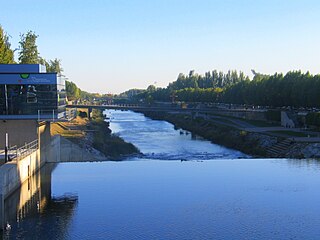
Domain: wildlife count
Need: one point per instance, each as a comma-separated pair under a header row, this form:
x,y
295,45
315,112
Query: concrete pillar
x,y
89,112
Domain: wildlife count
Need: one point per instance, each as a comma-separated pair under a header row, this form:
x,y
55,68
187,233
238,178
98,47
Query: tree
x,y
6,54
54,66
73,92
151,89
28,49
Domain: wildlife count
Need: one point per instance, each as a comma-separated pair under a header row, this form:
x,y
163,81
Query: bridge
x,y
194,111
159,108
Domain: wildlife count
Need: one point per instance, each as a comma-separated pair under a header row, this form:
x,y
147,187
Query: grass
x,y
259,123
292,133
111,145
73,129
226,120
256,123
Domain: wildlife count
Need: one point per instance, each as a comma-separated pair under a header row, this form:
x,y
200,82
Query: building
x,y
30,99
27,91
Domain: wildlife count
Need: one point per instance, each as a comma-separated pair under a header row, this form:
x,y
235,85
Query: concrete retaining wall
x,y
251,115
13,174
50,153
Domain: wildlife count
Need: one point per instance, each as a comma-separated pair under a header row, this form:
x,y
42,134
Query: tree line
x,y
294,89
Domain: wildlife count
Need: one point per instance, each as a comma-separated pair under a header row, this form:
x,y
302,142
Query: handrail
x,y
16,154
27,149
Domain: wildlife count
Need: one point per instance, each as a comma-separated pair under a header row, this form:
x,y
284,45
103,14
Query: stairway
x,y
278,149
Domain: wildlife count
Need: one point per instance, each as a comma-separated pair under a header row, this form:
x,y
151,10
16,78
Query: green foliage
x,y
212,79
293,89
6,54
194,87
28,49
274,116
313,119
52,66
110,144
198,94
73,92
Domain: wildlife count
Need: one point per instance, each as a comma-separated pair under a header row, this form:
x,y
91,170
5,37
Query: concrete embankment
x,y
256,144
13,174
91,140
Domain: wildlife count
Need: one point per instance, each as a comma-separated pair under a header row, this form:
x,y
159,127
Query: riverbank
x,y
256,144
94,137
109,144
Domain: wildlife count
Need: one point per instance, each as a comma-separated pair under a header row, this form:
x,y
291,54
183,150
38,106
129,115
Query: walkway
x,y
277,131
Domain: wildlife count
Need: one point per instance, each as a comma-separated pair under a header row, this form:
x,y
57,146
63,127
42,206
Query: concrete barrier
x,y
13,174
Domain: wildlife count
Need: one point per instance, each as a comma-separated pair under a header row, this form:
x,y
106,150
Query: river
x,y
183,188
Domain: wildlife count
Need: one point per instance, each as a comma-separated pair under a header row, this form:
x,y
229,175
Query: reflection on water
x,y
33,202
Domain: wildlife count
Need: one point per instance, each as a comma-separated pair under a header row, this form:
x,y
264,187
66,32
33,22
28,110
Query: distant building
x,y
27,91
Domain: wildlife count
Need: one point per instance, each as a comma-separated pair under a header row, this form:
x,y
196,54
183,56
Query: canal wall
x,y
13,174
245,114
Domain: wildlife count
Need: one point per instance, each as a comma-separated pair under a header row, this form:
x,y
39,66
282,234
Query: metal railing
x,y
71,113
46,115
15,153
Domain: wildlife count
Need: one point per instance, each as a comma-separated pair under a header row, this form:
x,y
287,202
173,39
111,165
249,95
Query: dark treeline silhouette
x,y
194,87
212,79
294,89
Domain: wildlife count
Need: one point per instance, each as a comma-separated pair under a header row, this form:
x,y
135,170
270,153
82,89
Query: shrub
x,y
313,119
273,115
82,114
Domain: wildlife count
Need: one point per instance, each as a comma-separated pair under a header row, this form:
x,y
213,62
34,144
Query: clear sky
x,y
109,46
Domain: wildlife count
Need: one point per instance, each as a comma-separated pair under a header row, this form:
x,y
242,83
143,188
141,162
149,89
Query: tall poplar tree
x,y
28,49
6,54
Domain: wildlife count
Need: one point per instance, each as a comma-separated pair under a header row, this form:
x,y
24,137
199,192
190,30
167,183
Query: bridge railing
x,y
71,113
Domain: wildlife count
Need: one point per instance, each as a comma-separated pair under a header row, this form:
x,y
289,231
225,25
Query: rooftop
x,y
22,68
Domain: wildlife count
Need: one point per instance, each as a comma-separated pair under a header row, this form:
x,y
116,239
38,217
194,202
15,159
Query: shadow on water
x,y
33,204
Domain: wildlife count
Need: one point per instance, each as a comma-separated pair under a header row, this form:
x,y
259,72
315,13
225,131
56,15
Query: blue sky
x,y
113,45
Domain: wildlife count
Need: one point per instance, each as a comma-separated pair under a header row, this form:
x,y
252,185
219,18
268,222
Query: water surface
x,y
159,140
165,198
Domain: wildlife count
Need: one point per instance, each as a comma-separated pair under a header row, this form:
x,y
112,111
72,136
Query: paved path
x,y
277,131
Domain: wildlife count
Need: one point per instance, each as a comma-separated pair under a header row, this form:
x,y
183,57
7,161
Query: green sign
x,y
24,75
